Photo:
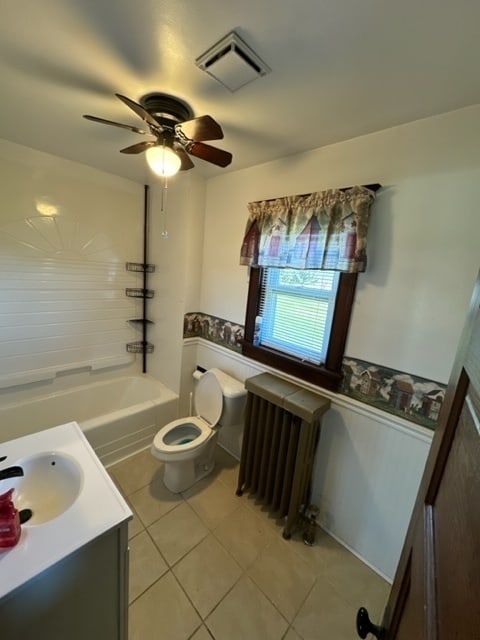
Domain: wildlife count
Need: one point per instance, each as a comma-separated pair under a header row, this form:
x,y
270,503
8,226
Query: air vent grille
x,y
232,62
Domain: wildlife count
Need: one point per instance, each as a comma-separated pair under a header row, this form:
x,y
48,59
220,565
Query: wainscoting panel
x,y
368,464
366,479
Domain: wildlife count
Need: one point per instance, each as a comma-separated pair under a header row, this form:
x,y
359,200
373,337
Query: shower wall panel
x,y
66,231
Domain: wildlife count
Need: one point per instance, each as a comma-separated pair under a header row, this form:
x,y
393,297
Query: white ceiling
x,y
340,69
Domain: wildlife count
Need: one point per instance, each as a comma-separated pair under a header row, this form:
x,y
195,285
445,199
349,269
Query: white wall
x,y
423,256
177,276
409,309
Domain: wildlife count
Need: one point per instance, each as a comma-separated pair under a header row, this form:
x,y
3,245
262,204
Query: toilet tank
x,y
234,396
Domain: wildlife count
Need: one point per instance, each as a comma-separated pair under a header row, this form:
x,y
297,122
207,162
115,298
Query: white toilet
x,y
187,445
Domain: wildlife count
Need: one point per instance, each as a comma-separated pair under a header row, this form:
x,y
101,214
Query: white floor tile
x,y
208,565
207,573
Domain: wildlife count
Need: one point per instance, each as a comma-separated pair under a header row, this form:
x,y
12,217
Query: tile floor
x,y
208,564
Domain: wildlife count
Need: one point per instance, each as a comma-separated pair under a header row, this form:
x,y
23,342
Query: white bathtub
x,y
118,416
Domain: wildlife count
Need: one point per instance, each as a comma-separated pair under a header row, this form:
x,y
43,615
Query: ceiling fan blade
x,y
211,154
186,161
116,124
139,147
139,110
202,128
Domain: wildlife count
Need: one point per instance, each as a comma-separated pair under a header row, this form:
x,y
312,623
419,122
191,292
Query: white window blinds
x,y
296,311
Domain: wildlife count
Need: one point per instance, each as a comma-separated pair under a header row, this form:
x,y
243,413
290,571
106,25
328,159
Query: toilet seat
x,y
168,445
200,426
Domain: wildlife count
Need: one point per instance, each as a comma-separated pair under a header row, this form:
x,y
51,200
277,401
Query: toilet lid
x,y
209,398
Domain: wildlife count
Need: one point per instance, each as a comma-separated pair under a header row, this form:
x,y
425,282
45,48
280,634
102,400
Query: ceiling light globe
x,y
163,161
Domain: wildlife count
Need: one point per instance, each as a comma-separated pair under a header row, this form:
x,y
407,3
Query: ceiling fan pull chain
x,y
163,210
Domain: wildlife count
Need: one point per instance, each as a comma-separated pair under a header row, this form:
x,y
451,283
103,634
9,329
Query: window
x,y
296,311
297,321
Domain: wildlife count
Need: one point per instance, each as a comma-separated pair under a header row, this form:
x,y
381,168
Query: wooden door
x,y
436,591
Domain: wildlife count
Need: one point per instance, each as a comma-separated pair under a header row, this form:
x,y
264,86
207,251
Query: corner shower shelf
x,y
138,293
140,267
140,347
140,321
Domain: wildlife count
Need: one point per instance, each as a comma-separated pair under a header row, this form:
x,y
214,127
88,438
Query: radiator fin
x,y
282,425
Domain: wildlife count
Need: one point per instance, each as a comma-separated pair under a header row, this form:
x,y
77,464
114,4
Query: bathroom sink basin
x,y
51,483
72,498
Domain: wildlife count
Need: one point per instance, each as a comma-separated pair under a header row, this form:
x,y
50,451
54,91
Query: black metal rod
x,y
373,187
145,261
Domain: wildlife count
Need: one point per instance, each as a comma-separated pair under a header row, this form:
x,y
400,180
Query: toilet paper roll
x,y
197,374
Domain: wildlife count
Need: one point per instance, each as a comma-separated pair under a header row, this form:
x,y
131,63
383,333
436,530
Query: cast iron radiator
x,y
282,427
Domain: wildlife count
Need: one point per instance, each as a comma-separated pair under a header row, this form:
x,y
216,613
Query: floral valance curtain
x,y
322,230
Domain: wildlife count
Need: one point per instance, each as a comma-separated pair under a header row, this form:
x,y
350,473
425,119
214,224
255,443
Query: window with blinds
x,y
296,311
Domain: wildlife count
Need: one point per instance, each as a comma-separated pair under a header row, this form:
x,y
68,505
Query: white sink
x,y
50,484
72,497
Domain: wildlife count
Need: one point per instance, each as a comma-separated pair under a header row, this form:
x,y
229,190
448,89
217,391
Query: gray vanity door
x,y
82,597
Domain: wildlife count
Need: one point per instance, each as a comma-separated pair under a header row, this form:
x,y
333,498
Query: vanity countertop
x,y
98,508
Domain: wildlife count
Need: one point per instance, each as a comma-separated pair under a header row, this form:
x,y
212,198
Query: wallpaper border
x,y
403,394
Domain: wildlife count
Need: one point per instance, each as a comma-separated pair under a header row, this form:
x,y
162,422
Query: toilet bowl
x,y
186,446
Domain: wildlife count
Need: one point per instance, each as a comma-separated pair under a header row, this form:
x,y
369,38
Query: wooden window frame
x,y
327,375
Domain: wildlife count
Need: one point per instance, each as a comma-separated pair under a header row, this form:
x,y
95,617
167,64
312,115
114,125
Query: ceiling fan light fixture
x,y
175,139
163,161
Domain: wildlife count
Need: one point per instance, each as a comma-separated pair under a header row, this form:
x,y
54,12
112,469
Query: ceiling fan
x,y
176,133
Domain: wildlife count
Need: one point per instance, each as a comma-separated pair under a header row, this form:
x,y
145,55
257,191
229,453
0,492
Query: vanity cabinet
x,y
83,596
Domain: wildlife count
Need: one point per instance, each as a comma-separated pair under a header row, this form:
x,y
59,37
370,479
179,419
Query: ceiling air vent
x,y
232,62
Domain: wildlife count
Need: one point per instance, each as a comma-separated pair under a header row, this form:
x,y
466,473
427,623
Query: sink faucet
x,y
10,472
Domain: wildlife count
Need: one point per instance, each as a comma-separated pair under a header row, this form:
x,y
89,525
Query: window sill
x,y
315,374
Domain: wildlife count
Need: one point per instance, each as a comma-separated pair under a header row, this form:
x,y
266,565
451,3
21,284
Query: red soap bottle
x,y
9,521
